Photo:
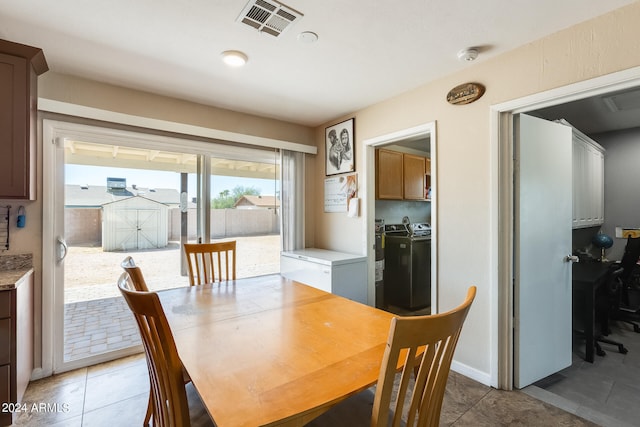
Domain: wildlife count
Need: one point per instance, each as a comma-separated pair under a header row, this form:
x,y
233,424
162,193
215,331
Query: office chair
x,y
628,307
607,301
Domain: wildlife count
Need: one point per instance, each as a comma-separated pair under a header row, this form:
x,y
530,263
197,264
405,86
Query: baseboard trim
x,y
474,374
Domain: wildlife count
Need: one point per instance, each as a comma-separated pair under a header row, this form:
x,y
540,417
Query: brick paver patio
x,y
97,319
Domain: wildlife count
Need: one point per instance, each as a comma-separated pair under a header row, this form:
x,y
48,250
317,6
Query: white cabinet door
x,y
588,182
598,186
579,156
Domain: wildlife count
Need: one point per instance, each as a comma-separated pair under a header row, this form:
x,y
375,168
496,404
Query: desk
x,y
587,278
271,351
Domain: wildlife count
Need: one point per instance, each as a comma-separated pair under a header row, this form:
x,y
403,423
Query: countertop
x,y
14,269
11,279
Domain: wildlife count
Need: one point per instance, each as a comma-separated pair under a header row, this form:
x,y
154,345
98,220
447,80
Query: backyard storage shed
x,y
134,223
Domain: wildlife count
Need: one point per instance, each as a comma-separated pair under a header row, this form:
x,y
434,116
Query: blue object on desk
x,y
602,241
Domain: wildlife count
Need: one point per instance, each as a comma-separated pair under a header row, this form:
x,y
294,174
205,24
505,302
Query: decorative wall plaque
x,y
465,93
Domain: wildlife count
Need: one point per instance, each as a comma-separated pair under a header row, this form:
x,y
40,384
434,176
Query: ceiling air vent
x,y
269,17
623,101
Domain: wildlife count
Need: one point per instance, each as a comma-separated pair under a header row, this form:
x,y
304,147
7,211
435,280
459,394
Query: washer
x,y
407,273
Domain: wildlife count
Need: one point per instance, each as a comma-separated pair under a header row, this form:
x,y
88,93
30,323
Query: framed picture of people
x,y
340,148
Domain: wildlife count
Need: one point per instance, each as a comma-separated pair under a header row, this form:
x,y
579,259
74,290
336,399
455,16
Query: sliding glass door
x,y
245,207
113,194
119,201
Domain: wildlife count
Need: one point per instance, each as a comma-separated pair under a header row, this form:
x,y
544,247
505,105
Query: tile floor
x,y
110,394
115,394
606,391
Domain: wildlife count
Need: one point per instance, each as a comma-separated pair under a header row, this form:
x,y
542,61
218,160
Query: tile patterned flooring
x,y
109,394
606,391
116,393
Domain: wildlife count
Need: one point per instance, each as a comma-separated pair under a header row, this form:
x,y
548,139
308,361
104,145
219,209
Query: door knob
x,y
571,258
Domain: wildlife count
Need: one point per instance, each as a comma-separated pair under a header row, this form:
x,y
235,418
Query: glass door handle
x,y
571,258
62,249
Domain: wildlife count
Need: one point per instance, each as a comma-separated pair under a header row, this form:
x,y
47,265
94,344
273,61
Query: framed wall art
x,y
340,148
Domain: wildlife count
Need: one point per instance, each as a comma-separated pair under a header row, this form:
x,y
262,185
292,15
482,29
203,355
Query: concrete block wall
x,y
83,226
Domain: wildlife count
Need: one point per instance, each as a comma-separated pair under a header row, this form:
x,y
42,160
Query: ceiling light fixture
x,y
234,58
468,54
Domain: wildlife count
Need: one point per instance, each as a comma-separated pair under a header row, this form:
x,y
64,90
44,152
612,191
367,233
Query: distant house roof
x,y
258,201
97,195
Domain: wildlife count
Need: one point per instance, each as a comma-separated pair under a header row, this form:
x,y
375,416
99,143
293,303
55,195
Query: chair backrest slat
x,y
206,264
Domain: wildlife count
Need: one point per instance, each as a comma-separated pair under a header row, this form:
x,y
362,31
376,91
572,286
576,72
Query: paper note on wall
x,y
353,207
338,192
625,232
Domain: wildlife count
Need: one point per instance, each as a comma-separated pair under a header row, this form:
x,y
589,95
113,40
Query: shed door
x,y
137,228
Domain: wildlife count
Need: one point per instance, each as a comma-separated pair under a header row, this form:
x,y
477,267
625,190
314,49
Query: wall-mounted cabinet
x,y
414,177
588,181
389,174
20,66
401,176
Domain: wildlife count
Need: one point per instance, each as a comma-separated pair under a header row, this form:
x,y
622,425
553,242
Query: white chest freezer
x,y
336,272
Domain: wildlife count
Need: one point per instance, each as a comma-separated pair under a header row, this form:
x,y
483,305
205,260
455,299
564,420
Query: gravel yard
x,y
91,273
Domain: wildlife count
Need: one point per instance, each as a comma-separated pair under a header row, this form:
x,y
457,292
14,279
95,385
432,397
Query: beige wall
x,y
464,161
75,90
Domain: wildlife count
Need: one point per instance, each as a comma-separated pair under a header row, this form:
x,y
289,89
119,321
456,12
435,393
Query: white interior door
x,y
542,293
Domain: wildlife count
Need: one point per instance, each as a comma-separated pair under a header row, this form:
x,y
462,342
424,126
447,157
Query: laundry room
x,y
403,226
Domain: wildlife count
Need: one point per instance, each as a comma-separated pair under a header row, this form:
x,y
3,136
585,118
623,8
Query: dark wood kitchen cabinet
x,y
20,66
16,343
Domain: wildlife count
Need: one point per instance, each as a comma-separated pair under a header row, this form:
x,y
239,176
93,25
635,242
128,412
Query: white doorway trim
x,y
501,147
426,129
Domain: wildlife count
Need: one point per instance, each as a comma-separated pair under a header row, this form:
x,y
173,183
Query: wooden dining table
x,y
268,351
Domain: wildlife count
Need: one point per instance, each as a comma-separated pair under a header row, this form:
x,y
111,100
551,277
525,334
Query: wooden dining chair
x,y
425,347
135,274
170,407
208,261
134,279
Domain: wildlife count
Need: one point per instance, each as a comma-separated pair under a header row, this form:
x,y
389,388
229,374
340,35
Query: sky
x,y
97,175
